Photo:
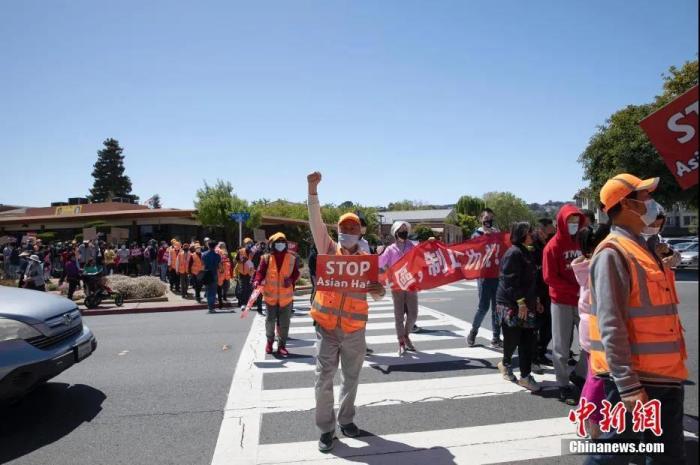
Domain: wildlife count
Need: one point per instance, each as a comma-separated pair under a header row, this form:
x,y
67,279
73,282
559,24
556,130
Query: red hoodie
x,y
557,257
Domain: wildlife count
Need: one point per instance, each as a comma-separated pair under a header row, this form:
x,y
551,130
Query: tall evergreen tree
x,y
156,201
110,180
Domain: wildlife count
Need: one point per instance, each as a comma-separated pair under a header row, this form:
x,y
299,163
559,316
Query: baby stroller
x,y
96,290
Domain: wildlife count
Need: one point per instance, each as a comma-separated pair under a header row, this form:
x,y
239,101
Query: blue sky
x,y
424,100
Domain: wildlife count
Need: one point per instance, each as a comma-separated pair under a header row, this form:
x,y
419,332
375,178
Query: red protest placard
x,y
673,130
346,273
433,263
292,246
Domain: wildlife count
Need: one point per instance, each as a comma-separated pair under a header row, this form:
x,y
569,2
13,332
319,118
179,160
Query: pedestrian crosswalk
x,y
444,404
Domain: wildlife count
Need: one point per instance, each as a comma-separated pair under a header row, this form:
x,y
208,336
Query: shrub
x,y
143,287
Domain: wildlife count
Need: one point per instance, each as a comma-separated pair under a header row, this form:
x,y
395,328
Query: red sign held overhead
x,y
673,130
346,273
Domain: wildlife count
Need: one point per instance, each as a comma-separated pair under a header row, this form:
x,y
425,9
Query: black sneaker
x,y
471,338
350,430
543,360
567,396
368,351
326,442
415,329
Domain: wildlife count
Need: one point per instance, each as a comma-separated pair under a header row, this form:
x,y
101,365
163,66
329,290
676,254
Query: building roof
x,y
147,213
415,215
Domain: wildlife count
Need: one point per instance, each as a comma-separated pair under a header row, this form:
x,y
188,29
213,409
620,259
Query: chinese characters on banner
x,y
433,263
346,273
673,130
293,246
646,416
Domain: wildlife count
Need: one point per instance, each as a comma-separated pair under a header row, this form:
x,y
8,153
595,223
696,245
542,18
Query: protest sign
x,y
89,234
673,129
433,263
292,246
346,273
259,235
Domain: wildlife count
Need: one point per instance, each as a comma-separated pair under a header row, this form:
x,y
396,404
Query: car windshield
x,y
692,248
683,246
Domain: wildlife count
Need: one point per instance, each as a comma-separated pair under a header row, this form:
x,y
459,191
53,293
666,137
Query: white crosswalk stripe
x,y
243,438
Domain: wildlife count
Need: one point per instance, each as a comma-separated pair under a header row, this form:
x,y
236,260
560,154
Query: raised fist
x,y
313,179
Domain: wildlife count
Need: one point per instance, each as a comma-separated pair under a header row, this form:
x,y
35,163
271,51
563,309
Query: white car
x,y
689,257
41,335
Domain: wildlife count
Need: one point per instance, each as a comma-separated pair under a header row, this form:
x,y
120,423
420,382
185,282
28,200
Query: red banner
x,y
292,246
433,263
346,273
673,130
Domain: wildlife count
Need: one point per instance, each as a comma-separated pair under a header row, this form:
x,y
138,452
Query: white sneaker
x,y
506,371
530,384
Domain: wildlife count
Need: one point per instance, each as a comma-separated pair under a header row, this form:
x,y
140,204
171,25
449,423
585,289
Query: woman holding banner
x,y
405,302
340,319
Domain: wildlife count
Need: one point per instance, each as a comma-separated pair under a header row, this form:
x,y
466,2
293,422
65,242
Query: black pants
x,y
220,295
72,286
671,399
174,280
544,327
244,289
522,338
197,284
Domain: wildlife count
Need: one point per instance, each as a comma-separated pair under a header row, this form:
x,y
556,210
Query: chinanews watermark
x,y
645,417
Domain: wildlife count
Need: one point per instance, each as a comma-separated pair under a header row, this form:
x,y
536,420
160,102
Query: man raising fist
x,y
340,319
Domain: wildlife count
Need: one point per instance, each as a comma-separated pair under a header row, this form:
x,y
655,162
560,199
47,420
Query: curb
x,y
173,308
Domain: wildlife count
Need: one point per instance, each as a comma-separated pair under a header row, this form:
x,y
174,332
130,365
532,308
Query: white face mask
x,y
348,241
649,231
280,246
652,211
573,228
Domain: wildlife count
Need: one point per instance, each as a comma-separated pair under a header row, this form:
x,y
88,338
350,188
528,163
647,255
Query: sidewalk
x,y
173,303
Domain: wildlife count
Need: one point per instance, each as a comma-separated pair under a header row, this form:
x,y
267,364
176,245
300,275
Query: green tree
x,y
110,180
621,146
468,205
468,223
423,232
406,204
215,203
156,202
507,208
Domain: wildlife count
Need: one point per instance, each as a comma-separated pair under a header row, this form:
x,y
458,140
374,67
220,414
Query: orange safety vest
x,y
275,292
197,264
654,328
181,262
347,309
173,257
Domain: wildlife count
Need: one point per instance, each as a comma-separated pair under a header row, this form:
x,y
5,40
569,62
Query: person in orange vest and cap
x,y
195,269
224,274
181,266
244,272
340,319
277,272
636,337
173,277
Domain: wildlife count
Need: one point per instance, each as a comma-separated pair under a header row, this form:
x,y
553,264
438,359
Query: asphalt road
x,y
155,390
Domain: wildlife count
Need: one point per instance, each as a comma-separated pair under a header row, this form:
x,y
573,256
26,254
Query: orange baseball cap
x,y
349,217
622,185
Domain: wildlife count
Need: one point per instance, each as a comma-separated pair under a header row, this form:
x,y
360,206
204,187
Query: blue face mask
x,y
280,246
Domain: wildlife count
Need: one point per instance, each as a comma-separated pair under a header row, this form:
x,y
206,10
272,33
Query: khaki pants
x,y
405,302
275,315
333,347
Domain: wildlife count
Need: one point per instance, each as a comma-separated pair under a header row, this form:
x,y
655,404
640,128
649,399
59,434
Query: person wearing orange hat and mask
x,y
340,319
278,272
636,337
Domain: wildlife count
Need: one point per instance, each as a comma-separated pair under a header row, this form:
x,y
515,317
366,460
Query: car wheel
x,y
118,299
